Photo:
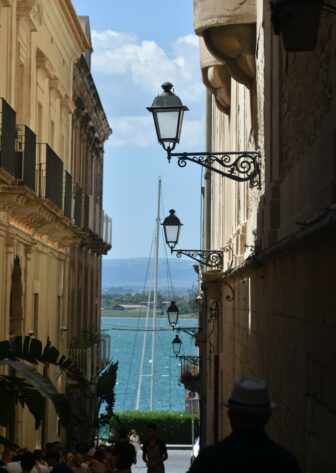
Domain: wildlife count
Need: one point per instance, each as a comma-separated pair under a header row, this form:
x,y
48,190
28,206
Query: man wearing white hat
x,y
247,448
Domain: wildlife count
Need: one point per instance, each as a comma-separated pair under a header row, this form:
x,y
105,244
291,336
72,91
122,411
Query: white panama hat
x,y
250,395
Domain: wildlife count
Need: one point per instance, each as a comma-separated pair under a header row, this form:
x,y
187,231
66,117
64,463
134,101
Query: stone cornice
x,y
73,21
87,99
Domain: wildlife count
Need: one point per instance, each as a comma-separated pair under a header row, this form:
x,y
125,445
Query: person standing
x,y
154,450
53,459
39,458
247,448
124,452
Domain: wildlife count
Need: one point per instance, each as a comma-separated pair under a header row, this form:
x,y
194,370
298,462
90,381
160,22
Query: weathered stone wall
x,y
281,327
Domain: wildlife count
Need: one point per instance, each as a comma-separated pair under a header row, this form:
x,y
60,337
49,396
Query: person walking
x,y
154,450
247,448
134,438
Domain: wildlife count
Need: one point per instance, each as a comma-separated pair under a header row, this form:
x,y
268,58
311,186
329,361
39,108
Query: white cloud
x,y
121,55
132,131
139,131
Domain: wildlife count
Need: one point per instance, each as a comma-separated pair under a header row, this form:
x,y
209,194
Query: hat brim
x,y
246,408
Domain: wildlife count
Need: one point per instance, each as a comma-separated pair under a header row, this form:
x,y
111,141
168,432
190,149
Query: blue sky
x,y
137,47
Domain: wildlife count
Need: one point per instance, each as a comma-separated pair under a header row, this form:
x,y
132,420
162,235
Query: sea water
x,y
127,337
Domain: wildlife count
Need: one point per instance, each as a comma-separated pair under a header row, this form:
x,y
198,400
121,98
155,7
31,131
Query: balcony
x,y
67,195
190,374
49,175
41,195
7,138
92,361
25,156
78,205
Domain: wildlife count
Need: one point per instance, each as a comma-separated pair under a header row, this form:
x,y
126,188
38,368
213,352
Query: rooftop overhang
x,y
228,29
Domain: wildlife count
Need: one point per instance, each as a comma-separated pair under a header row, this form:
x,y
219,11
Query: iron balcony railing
x,y
7,137
91,361
67,195
77,193
25,156
49,175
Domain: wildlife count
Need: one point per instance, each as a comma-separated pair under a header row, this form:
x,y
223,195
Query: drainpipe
x,y
206,244
207,174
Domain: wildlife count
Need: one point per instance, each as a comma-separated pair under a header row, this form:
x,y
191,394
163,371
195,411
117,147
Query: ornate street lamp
x,y
172,227
177,345
173,314
211,258
168,111
298,22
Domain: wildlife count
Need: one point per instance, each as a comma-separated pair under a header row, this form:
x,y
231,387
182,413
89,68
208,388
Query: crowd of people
x,y
117,457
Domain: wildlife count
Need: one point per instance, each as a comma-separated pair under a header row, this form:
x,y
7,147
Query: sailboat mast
x,y
155,304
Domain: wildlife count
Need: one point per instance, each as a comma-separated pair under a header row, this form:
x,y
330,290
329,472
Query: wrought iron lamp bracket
x,y
231,294
209,258
193,360
192,331
240,166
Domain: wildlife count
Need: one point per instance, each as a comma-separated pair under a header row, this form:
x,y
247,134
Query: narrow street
x,y
178,462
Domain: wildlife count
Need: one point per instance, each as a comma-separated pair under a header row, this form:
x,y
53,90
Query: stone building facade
x,y
276,308
52,226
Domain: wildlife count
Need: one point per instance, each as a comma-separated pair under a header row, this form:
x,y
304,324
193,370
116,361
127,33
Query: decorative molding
x,y
6,3
32,11
43,63
234,46
229,32
216,77
87,99
68,104
58,87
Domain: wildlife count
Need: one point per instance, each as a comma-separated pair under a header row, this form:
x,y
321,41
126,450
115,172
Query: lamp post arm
x,y
240,166
210,258
192,331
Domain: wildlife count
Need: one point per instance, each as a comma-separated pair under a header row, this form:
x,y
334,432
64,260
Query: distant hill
x,y
130,273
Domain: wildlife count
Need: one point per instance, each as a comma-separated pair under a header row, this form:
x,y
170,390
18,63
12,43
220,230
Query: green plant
x,y
21,354
173,427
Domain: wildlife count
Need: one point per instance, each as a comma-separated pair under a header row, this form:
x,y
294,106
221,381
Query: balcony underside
x,y
42,219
